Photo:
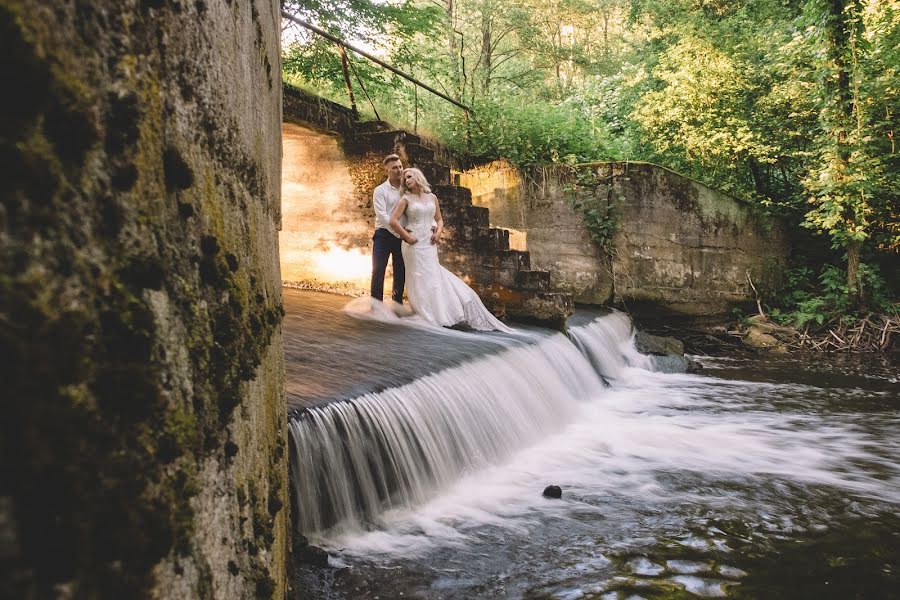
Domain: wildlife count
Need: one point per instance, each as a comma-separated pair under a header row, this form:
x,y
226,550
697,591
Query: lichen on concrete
x,y
140,300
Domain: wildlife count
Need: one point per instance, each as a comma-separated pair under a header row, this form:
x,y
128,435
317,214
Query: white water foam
x,y
620,445
473,446
608,342
355,459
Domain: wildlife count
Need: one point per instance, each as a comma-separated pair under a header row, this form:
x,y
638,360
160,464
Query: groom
x,y
386,243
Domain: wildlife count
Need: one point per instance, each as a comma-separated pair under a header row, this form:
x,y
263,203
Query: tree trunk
x,y
853,284
454,53
758,184
487,19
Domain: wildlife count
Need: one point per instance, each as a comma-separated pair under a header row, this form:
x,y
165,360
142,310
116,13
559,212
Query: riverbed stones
x,y
670,363
764,334
667,353
311,555
552,491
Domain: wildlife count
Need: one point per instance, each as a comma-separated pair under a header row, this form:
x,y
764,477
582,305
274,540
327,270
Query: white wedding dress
x,y
434,293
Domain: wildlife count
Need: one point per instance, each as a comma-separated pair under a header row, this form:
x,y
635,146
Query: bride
x,y
434,293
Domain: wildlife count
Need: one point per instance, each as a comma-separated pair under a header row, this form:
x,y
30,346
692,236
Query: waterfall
x,y
608,342
355,459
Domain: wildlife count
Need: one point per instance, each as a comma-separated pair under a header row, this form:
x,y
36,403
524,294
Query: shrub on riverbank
x,y
816,311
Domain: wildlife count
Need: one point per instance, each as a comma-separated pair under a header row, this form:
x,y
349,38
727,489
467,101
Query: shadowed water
x,y
762,478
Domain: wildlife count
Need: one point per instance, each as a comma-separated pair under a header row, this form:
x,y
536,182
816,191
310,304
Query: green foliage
x,y
314,63
600,222
849,181
530,134
816,301
791,105
597,213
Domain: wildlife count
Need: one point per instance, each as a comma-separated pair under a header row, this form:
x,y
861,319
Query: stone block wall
x,y
680,246
686,246
326,238
143,440
535,207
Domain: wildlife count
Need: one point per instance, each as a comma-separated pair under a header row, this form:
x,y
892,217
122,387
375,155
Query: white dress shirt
x,y
384,200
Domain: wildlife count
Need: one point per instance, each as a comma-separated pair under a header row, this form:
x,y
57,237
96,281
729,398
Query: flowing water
x,y
760,478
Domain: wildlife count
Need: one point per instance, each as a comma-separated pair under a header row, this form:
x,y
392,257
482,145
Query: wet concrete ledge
x,y
331,356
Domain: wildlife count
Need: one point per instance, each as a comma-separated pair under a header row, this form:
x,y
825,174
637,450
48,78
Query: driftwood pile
x,y
874,333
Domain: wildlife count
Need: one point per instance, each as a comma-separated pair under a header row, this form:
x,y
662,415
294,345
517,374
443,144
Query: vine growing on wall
x,y
586,195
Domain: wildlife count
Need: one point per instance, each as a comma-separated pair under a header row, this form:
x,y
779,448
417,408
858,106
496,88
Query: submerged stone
x,y
655,344
671,364
552,491
311,555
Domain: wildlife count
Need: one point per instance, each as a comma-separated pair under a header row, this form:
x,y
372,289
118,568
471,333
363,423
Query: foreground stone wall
x,y
142,445
680,246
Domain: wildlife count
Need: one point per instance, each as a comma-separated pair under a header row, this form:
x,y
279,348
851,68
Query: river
x,y
761,477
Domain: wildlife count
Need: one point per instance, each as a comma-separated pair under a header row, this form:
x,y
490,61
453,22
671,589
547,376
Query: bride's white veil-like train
x,y
388,311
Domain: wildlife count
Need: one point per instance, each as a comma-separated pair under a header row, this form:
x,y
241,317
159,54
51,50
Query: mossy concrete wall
x,y
680,246
142,444
535,207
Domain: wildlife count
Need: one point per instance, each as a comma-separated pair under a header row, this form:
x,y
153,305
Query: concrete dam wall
x,y
675,245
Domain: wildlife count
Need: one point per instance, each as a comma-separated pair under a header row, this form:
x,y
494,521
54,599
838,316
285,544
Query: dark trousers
x,y
384,245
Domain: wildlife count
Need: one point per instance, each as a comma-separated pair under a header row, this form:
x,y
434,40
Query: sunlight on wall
x,y
497,186
342,265
325,239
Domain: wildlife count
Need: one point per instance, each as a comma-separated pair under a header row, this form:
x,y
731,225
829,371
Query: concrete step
x,y
535,281
547,308
453,195
417,153
510,261
478,216
502,237
435,174
492,239
368,127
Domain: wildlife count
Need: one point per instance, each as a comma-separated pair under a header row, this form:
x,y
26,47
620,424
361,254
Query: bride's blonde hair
x,y
418,177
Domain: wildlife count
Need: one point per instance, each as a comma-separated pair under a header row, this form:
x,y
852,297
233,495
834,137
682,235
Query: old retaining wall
x,y
327,227
142,445
331,167
680,246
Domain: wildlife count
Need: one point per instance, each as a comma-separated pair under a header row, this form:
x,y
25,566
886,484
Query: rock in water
x,y
655,344
670,363
553,491
311,555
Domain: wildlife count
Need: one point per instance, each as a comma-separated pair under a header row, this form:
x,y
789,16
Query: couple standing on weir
x,y
408,229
